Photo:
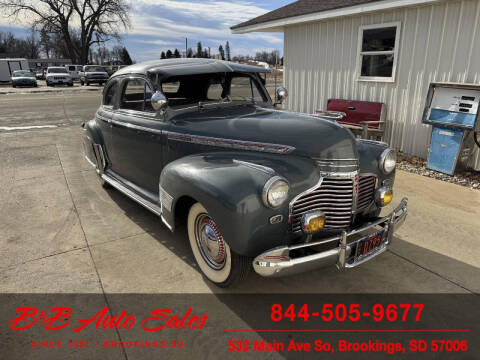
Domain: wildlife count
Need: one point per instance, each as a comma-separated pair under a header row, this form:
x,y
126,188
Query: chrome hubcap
x,y
210,242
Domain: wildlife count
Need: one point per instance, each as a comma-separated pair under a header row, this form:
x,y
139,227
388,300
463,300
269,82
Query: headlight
x,y
275,192
388,161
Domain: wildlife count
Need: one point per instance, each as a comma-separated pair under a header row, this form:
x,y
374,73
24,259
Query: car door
x,y
138,137
104,113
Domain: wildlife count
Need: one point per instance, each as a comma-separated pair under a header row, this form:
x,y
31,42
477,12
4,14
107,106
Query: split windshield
x,y
187,90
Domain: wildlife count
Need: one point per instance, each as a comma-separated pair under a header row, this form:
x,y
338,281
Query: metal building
x,y
384,51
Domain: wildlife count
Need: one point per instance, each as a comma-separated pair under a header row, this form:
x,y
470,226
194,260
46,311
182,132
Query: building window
x,y
377,52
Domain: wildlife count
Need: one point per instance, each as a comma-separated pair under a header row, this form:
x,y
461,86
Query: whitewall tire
x,y
213,255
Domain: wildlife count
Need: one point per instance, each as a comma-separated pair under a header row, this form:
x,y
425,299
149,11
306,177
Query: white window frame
x,y
361,53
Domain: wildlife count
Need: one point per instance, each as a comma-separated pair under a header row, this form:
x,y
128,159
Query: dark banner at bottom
x,y
140,326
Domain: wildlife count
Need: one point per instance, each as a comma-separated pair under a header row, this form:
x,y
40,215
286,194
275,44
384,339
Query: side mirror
x,y
159,101
282,94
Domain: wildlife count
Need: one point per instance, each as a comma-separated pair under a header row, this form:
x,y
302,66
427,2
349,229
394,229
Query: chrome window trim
x,y
231,143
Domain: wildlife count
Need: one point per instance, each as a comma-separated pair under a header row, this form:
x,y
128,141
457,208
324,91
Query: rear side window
x,y
109,96
136,96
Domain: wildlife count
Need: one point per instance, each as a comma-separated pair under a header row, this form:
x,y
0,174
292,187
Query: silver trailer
x,y
8,66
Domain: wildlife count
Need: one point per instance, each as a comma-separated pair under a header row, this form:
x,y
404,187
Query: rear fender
x,y
94,146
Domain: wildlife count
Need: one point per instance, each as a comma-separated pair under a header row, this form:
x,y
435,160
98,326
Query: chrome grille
x,y
334,197
366,191
337,165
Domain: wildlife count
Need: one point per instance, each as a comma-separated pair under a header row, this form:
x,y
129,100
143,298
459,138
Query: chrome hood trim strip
x,y
231,143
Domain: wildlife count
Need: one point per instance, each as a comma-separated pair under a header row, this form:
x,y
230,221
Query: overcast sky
x,y
158,25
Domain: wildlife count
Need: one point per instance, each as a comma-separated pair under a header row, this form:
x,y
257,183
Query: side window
x,y
244,88
137,96
109,96
215,90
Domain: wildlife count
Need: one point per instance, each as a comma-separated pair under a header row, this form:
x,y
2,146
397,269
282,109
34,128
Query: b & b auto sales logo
x,y
61,317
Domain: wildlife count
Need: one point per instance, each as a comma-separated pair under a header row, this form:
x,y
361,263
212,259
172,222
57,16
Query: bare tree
x,y
91,21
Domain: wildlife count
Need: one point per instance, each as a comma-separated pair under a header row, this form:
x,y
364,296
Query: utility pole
x,y
186,47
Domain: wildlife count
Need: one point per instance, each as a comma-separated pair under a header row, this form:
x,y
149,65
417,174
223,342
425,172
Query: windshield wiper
x,y
203,104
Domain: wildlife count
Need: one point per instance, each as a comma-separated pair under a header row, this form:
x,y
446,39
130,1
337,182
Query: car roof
x,y
56,67
187,66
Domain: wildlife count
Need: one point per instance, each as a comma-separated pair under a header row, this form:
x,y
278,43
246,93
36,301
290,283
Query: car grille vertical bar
x,y
366,191
334,197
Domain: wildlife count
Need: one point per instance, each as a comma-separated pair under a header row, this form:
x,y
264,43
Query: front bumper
x,y
59,81
24,82
278,262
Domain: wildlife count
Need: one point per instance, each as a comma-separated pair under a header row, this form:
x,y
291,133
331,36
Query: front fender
x,y
229,186
369,153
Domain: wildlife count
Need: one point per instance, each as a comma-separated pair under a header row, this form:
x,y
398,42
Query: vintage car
x,y
199,141
23,78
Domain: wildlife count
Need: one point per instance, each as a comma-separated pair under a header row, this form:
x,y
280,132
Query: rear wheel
x,y
217,261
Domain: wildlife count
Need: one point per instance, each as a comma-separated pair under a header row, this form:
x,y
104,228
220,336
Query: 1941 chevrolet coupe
x,y
200,141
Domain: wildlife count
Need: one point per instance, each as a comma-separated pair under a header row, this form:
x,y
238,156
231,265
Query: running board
x,y
132,195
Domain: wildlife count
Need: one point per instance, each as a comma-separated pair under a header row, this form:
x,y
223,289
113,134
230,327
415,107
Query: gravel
x,y
467,178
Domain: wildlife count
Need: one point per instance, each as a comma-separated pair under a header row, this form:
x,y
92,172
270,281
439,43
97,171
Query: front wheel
x,y
213,255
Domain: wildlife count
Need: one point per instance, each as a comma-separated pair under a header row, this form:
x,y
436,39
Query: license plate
x,y
369,244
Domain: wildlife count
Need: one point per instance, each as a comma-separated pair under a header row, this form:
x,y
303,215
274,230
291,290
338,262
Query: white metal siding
x,y
439,42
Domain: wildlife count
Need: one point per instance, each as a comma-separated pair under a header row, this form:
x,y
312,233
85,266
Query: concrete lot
x,y
60,231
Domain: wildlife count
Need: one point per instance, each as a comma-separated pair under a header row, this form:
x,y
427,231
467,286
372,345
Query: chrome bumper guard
x,y
277,261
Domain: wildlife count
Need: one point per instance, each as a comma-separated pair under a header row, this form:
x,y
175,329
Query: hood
x,y
311,136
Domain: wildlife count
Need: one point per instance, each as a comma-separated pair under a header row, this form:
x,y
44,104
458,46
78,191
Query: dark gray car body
x,y
223,156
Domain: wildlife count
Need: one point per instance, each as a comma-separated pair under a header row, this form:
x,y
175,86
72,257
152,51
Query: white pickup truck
x,y
93,74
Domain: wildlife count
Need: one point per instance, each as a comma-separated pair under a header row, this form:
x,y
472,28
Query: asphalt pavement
x,y
60,231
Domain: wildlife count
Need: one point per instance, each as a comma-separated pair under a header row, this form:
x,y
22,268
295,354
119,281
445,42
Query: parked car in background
x,y
58,75
23,78
93,74
74,71
200,141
